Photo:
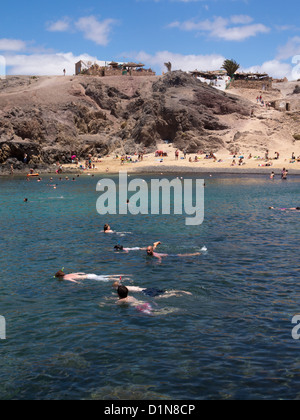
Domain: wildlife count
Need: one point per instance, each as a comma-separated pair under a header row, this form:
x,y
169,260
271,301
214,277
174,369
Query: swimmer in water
x,y
107,229
124,299
121,248
152,292
290,209
150,252
75,277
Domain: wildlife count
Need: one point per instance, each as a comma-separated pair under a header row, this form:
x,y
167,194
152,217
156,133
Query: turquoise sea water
x,y
230,340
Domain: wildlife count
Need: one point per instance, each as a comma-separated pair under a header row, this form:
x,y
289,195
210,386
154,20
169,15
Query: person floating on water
x,y
151,252
75,277
285,209
151,292
121,248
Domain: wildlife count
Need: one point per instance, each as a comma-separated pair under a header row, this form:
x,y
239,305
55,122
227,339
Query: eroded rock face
x,y
99,116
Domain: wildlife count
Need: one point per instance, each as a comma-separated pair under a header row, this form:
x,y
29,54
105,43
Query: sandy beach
x,y
224,162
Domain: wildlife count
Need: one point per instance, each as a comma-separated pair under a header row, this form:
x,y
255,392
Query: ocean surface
x,y
230,339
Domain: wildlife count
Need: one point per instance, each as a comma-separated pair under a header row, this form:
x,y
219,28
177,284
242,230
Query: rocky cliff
x,y
51,118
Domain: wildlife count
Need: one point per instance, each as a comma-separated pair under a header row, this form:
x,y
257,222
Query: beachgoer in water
x,y
121,248
107,229
284,173
286,209
124,299
75,277
151,292
150,252
272,176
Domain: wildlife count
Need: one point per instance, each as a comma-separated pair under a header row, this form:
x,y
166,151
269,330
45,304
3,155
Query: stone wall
x,y
253,84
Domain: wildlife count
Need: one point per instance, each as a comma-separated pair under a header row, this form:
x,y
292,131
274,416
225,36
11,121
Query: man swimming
x,y
143,307
151,252
121,248
152,292
75,277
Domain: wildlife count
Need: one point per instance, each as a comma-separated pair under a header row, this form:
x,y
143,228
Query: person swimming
x,y
107,229
285,209
143,307
75,277
151,252
151,291
121,248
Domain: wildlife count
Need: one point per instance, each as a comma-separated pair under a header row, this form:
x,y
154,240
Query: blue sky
x,y
41,38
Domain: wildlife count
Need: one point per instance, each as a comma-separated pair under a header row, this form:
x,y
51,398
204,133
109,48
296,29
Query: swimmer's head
x,y
60,274
116,284
297,208
122,292
119,247
150,251
106,227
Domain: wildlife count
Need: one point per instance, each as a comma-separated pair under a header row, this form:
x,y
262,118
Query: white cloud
x,y
290,49
92,28
95,30
275,68
44,64
62,25
223,28
12,45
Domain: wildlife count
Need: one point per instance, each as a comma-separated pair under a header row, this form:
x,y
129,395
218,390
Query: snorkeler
x,y
121,248
75,277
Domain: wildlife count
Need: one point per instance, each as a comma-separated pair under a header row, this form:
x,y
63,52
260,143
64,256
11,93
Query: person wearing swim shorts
x,y
152,292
